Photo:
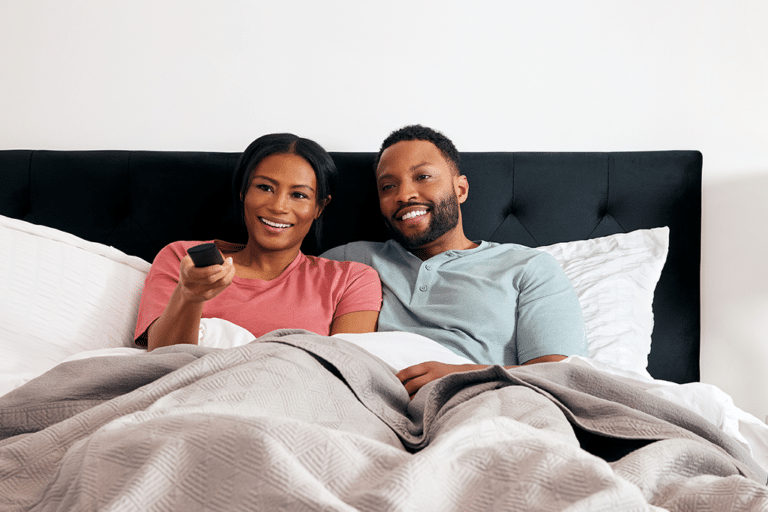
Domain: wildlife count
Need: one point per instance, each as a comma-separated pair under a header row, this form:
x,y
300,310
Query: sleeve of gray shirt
x,y
549,315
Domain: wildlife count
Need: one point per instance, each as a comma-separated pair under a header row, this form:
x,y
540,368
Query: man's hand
x,y
414,377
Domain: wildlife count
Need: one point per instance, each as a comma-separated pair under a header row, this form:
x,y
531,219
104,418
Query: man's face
x,y
419,193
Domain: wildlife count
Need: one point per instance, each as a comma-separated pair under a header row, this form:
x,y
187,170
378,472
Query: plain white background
x,y
551,75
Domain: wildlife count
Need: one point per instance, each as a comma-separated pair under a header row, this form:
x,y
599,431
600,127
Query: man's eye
x,y
422,176
386,187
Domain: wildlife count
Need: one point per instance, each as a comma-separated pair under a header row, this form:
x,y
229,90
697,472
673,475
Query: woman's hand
x,y
199,284
180,321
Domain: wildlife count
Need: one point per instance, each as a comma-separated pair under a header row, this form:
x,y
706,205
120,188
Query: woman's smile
x,y
275,224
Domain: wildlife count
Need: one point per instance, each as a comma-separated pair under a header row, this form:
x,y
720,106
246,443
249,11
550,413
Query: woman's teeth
x,y
415,213
275,224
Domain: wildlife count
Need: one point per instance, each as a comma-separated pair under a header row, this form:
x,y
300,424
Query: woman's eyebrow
x,y
275,182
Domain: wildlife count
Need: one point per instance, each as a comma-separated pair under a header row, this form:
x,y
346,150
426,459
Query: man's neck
x,y
440,246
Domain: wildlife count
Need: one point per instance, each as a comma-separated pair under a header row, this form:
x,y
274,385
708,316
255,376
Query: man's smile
x,y
412,214
412,211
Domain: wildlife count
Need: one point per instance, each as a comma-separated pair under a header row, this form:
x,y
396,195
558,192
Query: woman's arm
x,y
359,305
180,320
359,321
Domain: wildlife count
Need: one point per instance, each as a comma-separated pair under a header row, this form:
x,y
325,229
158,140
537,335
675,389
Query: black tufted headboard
x,y
138,201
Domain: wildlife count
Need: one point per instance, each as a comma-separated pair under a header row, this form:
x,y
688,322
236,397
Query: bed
x,y
297,421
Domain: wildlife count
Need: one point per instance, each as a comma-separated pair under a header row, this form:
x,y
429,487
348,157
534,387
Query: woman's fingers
x,y
204,283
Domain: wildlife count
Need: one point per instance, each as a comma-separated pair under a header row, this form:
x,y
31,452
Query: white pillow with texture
x,y
615,277
61,295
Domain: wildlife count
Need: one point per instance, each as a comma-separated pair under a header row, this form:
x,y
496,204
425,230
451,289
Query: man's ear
x,y
461,186
322,205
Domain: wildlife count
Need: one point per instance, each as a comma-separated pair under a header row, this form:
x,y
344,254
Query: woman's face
x,y
280,202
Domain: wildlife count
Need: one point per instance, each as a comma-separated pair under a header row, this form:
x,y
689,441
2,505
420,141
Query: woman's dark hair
x,y
419,132
286,144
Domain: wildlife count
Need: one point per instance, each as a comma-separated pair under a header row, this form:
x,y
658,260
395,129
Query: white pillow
x,y
220,333
60,295
398,349
403,349
615,277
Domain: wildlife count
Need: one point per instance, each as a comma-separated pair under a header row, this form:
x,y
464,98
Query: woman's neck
x,y
255,263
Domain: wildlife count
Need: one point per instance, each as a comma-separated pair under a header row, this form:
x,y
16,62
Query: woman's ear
x,y
321,206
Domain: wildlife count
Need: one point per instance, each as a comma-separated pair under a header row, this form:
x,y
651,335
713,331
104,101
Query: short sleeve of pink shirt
x,y
309,294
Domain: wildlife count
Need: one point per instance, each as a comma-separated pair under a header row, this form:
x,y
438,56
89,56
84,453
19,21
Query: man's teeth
x,y
415,213
275,224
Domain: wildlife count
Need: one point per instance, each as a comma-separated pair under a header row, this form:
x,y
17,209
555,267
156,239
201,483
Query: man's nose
x,y
407,192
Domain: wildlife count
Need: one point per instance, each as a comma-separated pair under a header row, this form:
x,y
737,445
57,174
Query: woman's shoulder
x,y
345,279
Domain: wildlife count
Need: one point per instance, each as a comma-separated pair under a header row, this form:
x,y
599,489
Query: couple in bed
x,y
492,303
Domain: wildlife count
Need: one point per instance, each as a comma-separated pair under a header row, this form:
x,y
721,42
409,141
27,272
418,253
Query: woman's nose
x,y
279,203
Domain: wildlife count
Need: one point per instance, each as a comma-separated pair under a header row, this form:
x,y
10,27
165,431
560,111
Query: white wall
x,y
506,75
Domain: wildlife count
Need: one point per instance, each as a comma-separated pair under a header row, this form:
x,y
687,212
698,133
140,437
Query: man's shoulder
x,y
512,259
333,267
496,249
362,252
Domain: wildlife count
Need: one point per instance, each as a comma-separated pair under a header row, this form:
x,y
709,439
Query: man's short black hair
x,y
419,132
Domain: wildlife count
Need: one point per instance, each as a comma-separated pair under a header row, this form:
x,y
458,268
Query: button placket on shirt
x,y
424,281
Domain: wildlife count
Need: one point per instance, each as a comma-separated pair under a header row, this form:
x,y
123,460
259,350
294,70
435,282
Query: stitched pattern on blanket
x,y
267,426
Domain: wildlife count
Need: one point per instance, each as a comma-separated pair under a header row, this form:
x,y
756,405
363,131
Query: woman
x,y
282,184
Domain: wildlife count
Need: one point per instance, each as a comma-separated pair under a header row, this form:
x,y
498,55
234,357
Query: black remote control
x,y
205,255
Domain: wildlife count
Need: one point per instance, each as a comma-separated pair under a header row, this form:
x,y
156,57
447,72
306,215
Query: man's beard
x,y
445,217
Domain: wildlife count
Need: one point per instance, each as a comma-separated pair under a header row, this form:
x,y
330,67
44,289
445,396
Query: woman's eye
x,y
422,176
300,195
264,187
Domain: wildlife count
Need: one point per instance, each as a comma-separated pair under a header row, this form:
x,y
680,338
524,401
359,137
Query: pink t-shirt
x,y
309,294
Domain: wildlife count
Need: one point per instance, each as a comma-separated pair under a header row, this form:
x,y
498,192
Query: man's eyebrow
x,y
413,168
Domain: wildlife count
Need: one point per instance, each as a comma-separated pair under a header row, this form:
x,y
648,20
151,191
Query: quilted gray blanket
x,y
296,421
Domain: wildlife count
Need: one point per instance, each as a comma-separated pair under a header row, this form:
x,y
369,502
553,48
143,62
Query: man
x,y
492,303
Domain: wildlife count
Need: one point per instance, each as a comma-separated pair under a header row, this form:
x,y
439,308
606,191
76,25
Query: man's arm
x,y
415,377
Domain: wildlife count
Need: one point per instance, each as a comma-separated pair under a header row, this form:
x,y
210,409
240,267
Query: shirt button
x,y
428,267
423,288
